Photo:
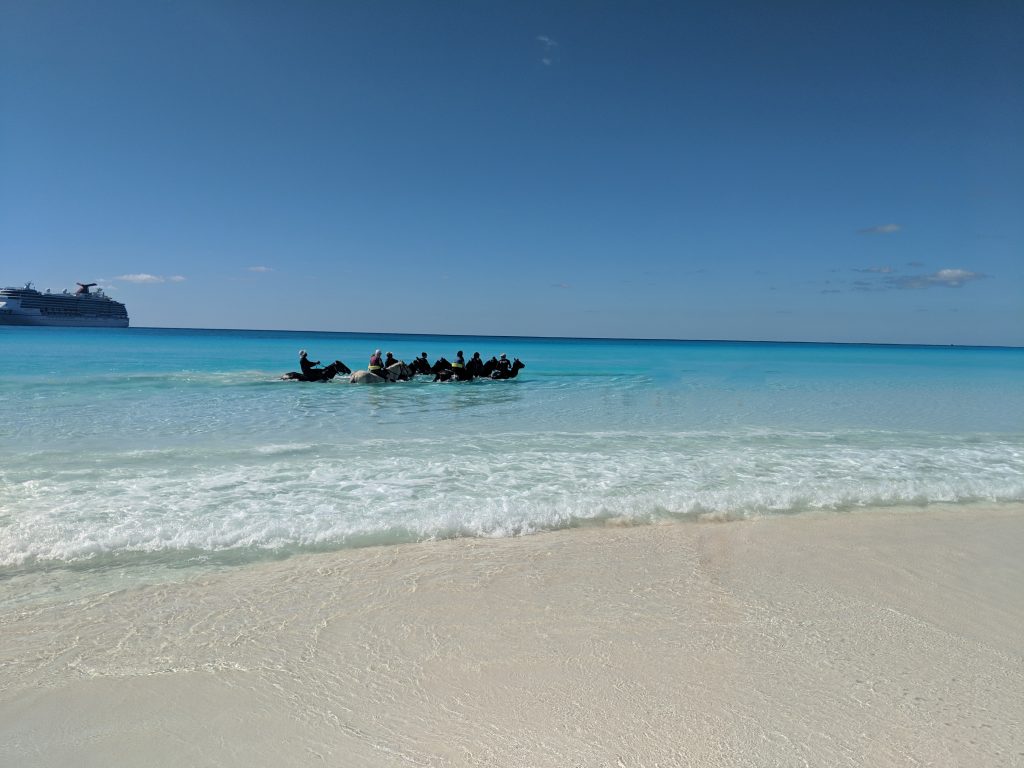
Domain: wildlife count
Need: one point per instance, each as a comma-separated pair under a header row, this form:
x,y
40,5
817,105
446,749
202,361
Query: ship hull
x,y
17,318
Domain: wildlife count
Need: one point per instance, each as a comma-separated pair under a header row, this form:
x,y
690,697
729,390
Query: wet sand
x,y
875,638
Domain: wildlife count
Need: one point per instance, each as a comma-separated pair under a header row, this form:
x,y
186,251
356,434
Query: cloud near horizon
x,y
260,269
142,277
881,229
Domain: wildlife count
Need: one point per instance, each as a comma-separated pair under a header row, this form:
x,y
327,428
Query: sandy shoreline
x,y
877,638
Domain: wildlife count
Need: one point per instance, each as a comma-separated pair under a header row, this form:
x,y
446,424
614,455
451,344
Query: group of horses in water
x,y
399,370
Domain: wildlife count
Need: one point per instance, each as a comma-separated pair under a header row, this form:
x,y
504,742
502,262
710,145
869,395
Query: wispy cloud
x,y
549,50
260,269
142,277
563,286
944,278
885,281
881,229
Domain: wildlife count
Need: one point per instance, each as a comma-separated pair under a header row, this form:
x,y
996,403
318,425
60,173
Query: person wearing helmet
x,y
308,367
504,366
376,364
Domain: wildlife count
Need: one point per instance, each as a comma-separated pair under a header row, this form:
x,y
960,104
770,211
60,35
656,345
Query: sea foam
x,y
295,496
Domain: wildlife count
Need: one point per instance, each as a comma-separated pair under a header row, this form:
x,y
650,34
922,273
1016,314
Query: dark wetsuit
x,y
475,366
307,367
504,367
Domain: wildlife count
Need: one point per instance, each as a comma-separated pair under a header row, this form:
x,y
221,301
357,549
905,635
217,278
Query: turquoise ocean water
x,y
151,448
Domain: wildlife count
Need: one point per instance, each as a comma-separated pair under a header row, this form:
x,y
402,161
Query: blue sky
x,y
789,171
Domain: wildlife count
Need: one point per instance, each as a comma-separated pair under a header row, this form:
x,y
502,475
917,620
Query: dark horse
x,y
511,373
319,374
443,371
420,365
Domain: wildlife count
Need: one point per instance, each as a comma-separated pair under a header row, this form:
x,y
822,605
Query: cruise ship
x,y
85,308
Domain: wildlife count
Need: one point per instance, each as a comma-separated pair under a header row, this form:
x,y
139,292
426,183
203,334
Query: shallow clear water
x,y
174,447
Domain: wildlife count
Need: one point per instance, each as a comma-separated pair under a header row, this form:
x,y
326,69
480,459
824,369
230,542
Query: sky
x,y
803,171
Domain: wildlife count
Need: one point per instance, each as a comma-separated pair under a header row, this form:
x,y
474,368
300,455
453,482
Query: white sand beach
x,y
874,638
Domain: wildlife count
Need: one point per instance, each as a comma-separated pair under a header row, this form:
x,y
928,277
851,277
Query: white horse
x,y
395,372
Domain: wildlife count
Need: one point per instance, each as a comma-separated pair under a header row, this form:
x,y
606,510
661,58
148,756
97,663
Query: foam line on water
x,y
296,495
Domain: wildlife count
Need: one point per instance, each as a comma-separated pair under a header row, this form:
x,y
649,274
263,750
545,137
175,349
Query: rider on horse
x,y
376,365
475,366
305,364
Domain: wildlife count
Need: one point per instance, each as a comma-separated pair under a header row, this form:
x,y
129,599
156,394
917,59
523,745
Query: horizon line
x,y
595,338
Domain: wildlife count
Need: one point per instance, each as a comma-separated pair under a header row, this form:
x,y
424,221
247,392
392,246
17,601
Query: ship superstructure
x,y
27,306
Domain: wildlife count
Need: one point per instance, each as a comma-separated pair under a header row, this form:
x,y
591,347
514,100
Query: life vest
x,y
457,365
375,363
